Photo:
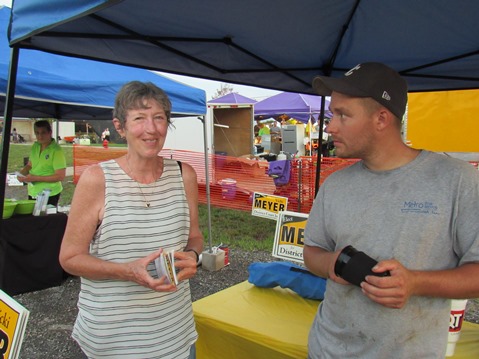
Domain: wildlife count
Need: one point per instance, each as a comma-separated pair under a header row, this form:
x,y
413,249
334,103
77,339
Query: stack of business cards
x,y
165,266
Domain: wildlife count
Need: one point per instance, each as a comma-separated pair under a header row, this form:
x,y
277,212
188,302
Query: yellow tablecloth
x,y
245,321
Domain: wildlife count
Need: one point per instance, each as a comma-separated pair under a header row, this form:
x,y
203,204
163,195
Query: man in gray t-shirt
x,y
415,212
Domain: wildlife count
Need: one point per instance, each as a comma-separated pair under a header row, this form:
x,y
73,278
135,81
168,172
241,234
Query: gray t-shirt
x,y
425,215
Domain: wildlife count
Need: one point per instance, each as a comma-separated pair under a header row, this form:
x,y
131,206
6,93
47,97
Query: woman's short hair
x,y
44,124
133,96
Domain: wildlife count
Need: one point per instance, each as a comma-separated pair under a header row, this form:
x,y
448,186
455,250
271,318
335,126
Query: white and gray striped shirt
x,y
121,319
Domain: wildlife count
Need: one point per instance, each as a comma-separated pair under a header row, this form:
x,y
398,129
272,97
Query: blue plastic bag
x,y
287,275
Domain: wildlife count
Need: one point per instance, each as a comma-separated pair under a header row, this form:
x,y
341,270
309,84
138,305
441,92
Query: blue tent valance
x,y
70,88
276,44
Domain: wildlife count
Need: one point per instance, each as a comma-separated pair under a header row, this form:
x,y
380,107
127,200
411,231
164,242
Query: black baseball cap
x,y
370,79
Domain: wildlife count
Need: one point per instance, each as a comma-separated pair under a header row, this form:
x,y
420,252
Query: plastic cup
x,y
458,308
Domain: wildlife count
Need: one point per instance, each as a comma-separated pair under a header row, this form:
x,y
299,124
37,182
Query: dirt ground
x,y
53,310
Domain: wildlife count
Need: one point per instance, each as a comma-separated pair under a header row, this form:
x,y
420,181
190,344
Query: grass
x,y
237,229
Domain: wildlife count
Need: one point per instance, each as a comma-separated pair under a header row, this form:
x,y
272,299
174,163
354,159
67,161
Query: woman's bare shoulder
x,y
92,176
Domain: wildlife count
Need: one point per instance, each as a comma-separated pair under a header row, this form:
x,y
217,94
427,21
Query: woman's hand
x,y
185,263
58,176
27,178
137,272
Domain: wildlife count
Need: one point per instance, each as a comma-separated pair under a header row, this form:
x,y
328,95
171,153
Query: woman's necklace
x,y
147,203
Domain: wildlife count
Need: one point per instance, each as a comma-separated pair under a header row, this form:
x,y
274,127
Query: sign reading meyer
x,y
289,236
268,206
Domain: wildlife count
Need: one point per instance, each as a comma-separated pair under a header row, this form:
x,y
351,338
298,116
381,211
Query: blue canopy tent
x,y
67,88
60,87
432,44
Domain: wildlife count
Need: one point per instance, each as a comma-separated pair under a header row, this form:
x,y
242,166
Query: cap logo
x,y
357,67
386,96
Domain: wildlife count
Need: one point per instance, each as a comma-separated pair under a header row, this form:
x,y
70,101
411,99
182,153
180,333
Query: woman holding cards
x,y
125,213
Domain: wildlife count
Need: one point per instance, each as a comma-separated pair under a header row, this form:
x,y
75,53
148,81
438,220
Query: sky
x,y
208,86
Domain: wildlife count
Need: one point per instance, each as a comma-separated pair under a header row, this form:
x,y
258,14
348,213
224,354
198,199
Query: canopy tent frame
x,y
102,16
53,91
8,117
342,35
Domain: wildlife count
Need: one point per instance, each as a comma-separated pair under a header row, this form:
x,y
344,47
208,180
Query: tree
x,y
223,90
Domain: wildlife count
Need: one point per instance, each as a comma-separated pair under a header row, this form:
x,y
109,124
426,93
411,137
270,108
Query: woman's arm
x,y
186,261
26,170
195,237
85,215
58,176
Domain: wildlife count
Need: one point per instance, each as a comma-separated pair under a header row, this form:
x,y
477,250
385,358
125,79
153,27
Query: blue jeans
x,y
193,352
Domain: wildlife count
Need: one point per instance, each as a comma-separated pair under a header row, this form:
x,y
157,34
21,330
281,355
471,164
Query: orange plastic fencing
x,y
233,180
84,156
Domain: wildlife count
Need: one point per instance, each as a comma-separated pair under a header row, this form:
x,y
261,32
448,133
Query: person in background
x,y
125,212
105,135
327,144
256,129
263,130
15,135
46,167
413,211
275,130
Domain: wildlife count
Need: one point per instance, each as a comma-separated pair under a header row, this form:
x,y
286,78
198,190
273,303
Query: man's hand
x,y
391,291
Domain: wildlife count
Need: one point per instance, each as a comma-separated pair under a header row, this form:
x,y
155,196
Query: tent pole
x,y
207,179
320,146
311,129
7,122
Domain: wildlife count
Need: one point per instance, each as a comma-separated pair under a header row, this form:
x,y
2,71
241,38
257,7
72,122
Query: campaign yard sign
x,y
289,236
268,205
13,322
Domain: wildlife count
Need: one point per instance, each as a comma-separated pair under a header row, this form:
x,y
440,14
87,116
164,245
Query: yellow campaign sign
x,y
289,236
268,206
8,323
13,319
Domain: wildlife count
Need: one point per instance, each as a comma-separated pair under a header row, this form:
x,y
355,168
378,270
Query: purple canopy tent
x,y
301,107
232,98
441,39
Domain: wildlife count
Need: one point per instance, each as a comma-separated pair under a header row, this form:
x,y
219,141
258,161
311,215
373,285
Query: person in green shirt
x,y
46,167
263,129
